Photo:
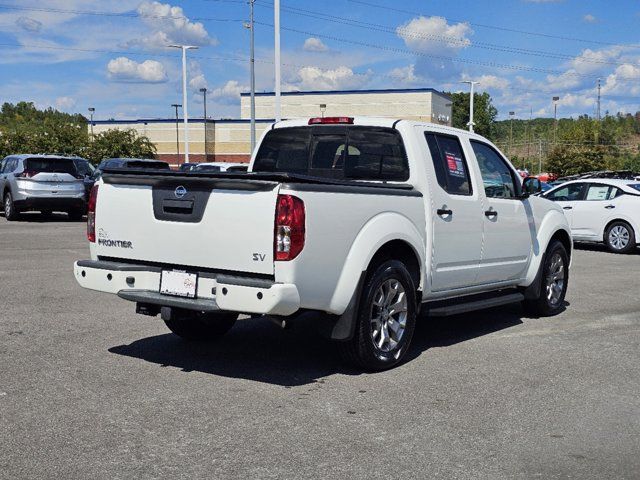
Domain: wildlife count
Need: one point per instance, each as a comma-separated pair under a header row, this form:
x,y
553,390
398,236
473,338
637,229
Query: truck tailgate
x,y
213,224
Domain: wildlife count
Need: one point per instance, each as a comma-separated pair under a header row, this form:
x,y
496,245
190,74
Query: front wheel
x,y
555,279
620,238
386,318
194,326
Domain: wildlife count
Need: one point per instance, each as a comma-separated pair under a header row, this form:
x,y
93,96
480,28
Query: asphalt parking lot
x,y
88,389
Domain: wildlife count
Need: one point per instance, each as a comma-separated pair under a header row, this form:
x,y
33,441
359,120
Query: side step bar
x,y
470,306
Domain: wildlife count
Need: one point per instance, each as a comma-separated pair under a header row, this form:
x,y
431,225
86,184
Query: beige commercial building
x,y
229,140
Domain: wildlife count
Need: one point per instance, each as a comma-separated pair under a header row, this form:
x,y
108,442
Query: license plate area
x,y
177,283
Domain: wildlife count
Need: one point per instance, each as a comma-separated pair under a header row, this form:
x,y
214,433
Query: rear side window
x,y
146,165
362,153
602,192
50,165
636,186
450,164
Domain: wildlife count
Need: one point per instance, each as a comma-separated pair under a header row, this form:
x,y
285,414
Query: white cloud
x,y
314,78
65,103
589,18
29,24
434,36
169,25
229,93
313,44
406,75
123,69
489,82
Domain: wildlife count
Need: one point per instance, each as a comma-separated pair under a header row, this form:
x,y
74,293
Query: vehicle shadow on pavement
x,y
599,247
35,217
255,349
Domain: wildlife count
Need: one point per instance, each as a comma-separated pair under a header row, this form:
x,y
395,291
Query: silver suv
x,y
43,183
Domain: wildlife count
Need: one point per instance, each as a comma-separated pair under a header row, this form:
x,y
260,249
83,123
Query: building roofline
x,y
180,120
350,92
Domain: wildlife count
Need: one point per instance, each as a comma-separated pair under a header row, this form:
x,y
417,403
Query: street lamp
x,y
203,90
323,108
511,114
471,123
252,72
91,111
185,110
177,106
555,118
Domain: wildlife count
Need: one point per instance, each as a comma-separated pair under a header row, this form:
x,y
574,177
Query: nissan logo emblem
x,y
180,192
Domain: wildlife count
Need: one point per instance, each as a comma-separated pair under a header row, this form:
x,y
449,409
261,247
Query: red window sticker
x,y
455,165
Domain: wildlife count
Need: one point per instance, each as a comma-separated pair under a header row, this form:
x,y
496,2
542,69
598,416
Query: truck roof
x,y
384,122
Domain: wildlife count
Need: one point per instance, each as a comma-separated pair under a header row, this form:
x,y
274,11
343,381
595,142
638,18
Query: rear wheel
x,y
386,318
10,212
620,238
194,326
555,279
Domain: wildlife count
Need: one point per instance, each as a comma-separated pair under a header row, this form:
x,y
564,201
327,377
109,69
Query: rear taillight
x,y
91,214
289,232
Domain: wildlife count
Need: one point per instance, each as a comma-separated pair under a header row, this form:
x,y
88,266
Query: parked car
x,y
374,220
86,170
220,167
132,163
43,183
187,167
601,210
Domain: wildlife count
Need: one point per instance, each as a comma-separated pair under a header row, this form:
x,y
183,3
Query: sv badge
x,y
259,257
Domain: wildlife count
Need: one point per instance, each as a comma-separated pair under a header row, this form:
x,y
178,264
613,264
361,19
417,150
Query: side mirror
x,y
531,186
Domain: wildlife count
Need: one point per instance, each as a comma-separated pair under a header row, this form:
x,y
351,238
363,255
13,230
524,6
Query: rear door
x,y
507,239
456,215
592,214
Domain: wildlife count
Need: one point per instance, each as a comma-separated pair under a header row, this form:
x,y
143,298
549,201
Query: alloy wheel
x,y
619,237
555,279
388,315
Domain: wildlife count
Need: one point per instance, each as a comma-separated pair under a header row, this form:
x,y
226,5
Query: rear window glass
x,y
206,168
148,165
362,153
449,163
50,165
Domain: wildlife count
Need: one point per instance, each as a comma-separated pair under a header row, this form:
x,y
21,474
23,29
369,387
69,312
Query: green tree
x,y
574,159
484,113
119,143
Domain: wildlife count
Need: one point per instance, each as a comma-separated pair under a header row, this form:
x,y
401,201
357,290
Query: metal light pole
x,y
555,118
276,25
91,112
511,114
472,84
203,90
252,61
177,106
185,110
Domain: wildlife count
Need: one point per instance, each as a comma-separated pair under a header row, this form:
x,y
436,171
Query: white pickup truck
x,y
366,220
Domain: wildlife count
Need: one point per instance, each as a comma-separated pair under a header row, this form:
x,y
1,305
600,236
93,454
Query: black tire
x,y
75,215
10,212
364,349
550,300
617,233
194,326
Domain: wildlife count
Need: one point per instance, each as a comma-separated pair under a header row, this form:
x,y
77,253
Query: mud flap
x,y
345,326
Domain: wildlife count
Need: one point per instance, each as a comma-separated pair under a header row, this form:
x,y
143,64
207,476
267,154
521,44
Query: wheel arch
x,y
634,227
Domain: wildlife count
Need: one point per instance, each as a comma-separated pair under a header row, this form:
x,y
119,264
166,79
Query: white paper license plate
x,y
179,284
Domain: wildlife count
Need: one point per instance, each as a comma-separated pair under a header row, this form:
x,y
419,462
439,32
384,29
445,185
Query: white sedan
x,y
601,210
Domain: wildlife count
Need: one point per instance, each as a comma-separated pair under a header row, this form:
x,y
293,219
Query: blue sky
x,y
73,54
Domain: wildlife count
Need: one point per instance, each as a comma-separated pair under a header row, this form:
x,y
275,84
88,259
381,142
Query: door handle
x,y
443,211
567,208
610,206
490,213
